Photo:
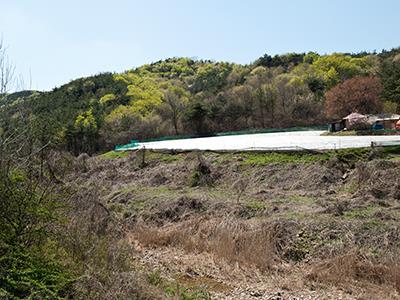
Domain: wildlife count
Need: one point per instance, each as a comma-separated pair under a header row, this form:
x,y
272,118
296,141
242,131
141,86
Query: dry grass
x,y
261,245
95,238
333,213
267,247
121,285
356,268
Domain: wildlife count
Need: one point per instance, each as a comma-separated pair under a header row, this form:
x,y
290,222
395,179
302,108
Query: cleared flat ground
x,y
272,141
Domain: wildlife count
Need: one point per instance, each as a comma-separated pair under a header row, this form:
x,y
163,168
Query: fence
x,y
385,143
132,145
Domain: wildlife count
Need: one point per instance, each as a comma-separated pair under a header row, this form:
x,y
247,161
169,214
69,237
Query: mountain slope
x,y
185,96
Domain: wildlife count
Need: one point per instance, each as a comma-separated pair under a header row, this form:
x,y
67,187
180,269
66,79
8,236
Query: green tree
x,y
196,116
175,100
261,100
82,135
390,77
338,67
29,212
211,77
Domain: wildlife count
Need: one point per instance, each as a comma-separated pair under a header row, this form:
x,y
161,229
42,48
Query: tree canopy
x,y
187,96
360,94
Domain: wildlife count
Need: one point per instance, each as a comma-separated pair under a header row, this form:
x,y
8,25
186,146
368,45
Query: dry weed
x,y
355,267
261,244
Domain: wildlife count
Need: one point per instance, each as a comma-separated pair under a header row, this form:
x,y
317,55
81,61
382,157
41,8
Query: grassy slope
x,y
324,222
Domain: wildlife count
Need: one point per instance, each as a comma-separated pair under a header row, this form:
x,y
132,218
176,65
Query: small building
x,y
384,121
337,125
356,121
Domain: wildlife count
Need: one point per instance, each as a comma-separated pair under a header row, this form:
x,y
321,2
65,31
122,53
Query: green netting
x,y
272,130
242,132
134,143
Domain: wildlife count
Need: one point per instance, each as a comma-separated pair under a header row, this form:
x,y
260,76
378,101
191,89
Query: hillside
x,y
249,226
198,225
182,96
78,222
198,150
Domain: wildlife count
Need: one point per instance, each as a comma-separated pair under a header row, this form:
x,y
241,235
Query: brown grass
x,y
261,245
355,267
266,246
311,252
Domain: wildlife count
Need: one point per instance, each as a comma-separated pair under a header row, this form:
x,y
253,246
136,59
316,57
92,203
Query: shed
x,y
337,125
357,121
384,121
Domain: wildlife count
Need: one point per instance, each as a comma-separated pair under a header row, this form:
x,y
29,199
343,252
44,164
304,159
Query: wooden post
x,y
143,164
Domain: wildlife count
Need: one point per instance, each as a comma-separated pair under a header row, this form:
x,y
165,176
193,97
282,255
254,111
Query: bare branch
x,y
7,71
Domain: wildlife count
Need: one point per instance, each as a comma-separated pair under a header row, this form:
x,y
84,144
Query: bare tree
x,y
175,100
7,71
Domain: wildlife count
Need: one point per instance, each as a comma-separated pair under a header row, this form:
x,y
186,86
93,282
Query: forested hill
x,y
180,96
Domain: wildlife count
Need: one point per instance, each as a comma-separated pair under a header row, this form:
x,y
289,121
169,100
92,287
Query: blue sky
x,y
58,41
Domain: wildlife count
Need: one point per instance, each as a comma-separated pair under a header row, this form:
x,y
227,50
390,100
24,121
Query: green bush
x,y
27,274
28,264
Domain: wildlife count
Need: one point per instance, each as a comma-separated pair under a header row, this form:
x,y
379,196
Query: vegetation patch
x,y
256,205
374,224
282,157
361,213
301,199
394,150
114,155
353,155
349,156
175,288
163,157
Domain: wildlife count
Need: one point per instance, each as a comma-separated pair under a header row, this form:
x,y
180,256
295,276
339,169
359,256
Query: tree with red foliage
x,y
359,94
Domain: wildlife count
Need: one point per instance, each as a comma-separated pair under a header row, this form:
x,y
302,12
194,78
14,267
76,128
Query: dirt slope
x,y
259,226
